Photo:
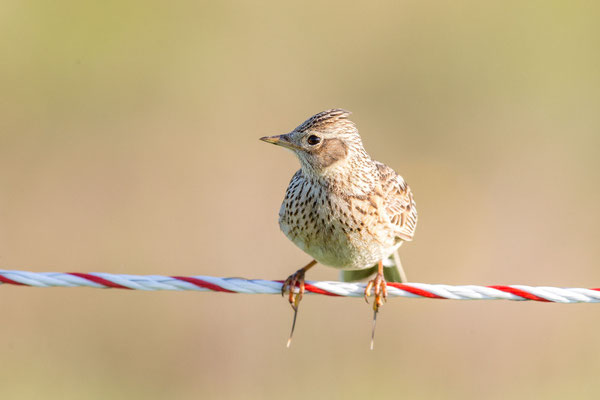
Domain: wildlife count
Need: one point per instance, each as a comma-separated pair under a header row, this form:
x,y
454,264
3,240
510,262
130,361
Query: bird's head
x,y
323,142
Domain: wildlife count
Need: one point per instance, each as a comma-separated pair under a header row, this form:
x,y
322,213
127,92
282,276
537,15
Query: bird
x,y
344,209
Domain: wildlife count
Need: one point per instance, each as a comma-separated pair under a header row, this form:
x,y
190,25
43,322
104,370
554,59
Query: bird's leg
x,y
380,287
296,279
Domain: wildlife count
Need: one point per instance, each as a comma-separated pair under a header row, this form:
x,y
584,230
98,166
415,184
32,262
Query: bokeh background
x,y
128,144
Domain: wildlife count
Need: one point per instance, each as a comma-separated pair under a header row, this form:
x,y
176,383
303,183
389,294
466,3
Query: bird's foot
x,y
379,286
294,297
290,284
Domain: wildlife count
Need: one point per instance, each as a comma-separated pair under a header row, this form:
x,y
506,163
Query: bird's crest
x,y
333,119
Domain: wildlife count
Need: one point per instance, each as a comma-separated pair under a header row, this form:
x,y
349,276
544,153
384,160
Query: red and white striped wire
x,y
260,286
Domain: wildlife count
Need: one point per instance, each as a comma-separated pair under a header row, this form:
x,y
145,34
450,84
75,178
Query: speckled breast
x,y
322,224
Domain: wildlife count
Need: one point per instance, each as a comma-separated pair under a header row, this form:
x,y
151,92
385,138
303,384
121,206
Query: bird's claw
x,y
379,285
290,284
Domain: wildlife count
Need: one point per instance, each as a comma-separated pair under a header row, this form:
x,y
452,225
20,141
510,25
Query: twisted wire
x,y
260,286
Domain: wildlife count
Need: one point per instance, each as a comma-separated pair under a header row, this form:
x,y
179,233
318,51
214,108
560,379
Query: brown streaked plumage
x,y
344,209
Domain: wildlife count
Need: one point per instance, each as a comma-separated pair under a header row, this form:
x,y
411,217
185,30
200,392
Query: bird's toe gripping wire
x,y
295,286
379,286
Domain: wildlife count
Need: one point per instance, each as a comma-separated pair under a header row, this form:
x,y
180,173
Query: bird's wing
x,y
398,202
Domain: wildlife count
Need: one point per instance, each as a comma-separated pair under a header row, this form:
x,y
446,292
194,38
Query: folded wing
x,y
398,203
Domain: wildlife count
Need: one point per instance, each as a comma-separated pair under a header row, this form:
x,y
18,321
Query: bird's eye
x,y
313,140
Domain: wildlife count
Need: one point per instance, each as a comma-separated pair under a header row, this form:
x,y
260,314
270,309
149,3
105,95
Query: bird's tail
x,y
392,271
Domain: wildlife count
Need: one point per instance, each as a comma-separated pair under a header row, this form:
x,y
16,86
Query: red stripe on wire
x,y
97,279
202,284
520,293
413,290
4,279
314,289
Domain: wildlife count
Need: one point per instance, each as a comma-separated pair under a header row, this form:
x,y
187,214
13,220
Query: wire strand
x,y
201,283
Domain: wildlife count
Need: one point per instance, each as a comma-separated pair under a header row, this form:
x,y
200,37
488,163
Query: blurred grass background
x,y
129,144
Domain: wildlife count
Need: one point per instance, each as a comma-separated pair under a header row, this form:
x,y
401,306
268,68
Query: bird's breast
x,y
330,229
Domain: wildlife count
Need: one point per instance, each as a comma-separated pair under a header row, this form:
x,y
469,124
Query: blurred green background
x,y
129,144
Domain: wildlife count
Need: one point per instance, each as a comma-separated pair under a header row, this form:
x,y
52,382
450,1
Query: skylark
x,y
344,209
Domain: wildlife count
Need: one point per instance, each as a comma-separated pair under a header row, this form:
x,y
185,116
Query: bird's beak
x,y
281,140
